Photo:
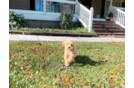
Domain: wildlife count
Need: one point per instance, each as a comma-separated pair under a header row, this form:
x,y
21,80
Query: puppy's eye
x,y
71,45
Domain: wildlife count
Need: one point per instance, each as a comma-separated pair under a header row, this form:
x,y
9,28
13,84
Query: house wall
x,y
96,4
41,24
19,4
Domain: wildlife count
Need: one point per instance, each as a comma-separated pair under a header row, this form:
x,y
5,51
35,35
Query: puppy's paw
x,y
66,67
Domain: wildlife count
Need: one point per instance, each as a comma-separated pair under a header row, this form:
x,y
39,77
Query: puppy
x,y
70,51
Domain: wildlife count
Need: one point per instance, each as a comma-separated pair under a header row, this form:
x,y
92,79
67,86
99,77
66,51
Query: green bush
x,y
16,20
66,20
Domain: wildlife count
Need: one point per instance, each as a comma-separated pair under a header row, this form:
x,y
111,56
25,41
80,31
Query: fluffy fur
x,y
70,51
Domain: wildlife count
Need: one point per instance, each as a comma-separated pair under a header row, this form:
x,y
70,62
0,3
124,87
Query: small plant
x,y
16,20
110,14
66,20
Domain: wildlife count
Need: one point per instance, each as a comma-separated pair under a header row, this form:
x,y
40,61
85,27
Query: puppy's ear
x,y
74,41
63,43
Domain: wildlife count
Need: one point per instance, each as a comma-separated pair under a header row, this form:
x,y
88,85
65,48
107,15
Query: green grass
x,y
40,64
77,30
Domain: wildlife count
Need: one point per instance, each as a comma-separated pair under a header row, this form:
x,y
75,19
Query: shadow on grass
x,y
84,60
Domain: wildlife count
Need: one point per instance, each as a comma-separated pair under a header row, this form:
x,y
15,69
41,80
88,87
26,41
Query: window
x,y
39,5
54,6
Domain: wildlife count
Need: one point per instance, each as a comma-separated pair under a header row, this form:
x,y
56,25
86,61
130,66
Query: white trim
x,y
90,24
121,8
38,15
26,11
44,6
121,11
82,6
63,1
120,24
81,21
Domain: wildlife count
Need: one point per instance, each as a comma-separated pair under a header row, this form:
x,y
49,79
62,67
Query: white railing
x,y
121,8
119,15
84,15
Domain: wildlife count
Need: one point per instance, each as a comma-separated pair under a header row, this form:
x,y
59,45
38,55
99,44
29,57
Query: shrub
x,y
66,20
16,20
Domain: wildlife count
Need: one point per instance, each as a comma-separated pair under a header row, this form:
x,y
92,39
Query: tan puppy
x,y
70,51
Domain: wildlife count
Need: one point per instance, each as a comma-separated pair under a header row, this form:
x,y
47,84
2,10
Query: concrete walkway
x,y
59,38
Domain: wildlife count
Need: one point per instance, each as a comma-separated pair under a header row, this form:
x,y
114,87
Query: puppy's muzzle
x,y
69,47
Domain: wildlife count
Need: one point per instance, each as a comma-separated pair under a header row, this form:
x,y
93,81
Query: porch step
x,y
105,26
108,28
103,22
109,33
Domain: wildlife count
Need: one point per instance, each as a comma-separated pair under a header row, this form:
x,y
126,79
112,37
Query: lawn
x,y
41,65
77,30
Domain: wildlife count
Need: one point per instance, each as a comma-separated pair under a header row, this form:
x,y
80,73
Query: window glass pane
x,y
39,5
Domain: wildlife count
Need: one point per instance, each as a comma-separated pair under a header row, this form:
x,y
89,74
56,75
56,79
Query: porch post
x,y
90,23
76,7
44,2
111,1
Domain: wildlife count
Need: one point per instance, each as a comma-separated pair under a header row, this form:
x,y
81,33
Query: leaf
x,y
43,68
92,84
104,71
21,68
90,66
112,73
34,55
15,63
92,50
87,51
32,77
109,51
11,53
101,67
101,57
37,72
25,58
75,68
46,87
113,86
13,72
45,58
122,86
26,72
87,87
122,80
100,85
67,79
23,64
97,49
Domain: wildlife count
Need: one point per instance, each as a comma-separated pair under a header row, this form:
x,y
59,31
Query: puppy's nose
x,y
68,47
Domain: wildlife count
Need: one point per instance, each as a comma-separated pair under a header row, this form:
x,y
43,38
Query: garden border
x,y
53,33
